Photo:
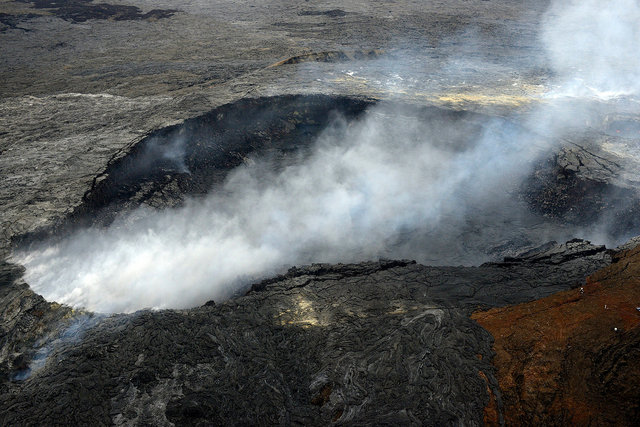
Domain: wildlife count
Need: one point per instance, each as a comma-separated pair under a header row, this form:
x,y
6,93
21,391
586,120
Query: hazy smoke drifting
x,y
594,45
386,185
363,186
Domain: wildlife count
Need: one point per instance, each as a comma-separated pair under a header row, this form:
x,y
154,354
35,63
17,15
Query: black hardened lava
x,y
193,157
374,343
558,191
379,342
84,10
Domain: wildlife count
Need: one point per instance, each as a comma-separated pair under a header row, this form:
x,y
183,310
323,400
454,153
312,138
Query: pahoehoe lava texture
x,y
373,343
386,342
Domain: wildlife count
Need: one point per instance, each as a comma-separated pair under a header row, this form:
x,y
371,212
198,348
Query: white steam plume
x,y
384,186
593,46
349,200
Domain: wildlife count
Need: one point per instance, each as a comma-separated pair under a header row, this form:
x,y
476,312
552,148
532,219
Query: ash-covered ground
x,y
208,209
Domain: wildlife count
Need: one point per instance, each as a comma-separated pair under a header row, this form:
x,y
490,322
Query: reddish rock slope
x,y
573,357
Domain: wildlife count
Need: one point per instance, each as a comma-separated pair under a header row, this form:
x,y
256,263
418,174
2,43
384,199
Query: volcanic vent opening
x,y
202,210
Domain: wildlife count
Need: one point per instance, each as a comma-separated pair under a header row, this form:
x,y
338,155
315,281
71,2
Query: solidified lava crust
x,y
387,342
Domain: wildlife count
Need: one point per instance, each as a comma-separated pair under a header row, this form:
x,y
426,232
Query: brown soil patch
x,y
573,357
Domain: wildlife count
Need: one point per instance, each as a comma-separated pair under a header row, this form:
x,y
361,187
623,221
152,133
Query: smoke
x,y
387,185
593,46
168,155
381,186
71,333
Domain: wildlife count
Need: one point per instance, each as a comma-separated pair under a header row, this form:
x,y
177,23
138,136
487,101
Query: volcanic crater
x,y
568,184
268,214
421,318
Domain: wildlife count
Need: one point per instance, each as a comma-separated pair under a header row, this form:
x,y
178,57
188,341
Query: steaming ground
x,y
387,185
593,46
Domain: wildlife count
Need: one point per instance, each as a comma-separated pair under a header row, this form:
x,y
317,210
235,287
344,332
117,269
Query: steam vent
x,y
319,213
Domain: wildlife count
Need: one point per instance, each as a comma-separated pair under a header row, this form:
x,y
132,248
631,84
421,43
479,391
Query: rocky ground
x,y
84,86
572,357
106,82
388,342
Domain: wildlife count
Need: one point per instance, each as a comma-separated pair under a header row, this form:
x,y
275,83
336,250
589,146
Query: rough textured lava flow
x,y
477,289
